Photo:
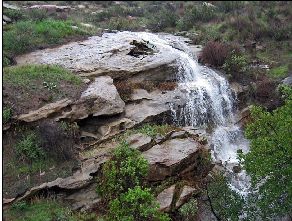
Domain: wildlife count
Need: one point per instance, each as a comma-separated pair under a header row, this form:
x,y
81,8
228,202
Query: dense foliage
x,y
125,170
136,204
269,161
225,202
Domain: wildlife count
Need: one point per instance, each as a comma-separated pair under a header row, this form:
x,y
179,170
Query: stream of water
x,y
211,103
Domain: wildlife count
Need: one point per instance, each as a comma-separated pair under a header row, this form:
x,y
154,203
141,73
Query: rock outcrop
x,y
99,99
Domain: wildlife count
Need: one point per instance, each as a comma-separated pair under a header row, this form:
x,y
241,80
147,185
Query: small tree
x,y
269,161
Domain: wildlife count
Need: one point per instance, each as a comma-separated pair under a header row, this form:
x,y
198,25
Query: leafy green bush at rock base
x,y
125,170
137,204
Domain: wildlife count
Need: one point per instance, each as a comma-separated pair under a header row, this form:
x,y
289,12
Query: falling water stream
x,y
210,103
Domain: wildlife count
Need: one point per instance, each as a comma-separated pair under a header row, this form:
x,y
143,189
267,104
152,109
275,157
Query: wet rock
x,y
185,195
165,199
153,104
237,169
244,116
44,111
171,157
139,141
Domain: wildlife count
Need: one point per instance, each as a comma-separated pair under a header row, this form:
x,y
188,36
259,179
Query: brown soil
x,y
22,100
16,177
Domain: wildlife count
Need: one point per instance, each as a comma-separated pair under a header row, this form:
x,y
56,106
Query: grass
x,y
25,36
25,76
279,72
6,114
28,148
40,210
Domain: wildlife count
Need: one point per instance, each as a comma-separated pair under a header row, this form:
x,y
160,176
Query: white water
x,y
211,103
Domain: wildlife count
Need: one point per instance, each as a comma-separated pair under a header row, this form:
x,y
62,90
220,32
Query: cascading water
x,y
211,103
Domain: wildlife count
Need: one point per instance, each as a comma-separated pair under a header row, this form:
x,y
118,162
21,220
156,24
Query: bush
x,y
161,20
194,14
235,63
25,36
122,24
136,204
125,170
214,53
226,203
6,115
229,6
189,210
29,149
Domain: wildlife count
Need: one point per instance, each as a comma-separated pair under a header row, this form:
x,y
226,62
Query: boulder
x,y
108,55
171,157
6,19
101,98
139,141
186,193
45,111
9,6
165,199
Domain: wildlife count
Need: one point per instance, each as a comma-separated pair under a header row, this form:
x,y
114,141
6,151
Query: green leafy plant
x,y
189,210
235,63
28,148
269,160
136,204
7,114
225,202
125,170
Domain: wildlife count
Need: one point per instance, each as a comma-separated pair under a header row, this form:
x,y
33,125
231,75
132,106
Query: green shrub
x,y
28,148
154,130
269,158
125,170
235,63
25,76
226,203
7,114
194,14
229,6
25,36
161,20
121,24
281,71
189,210
136,204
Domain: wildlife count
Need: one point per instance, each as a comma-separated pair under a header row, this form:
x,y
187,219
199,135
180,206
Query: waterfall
x,y
211,103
